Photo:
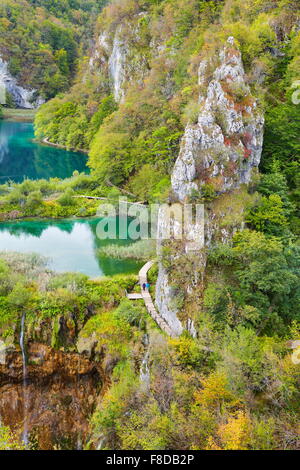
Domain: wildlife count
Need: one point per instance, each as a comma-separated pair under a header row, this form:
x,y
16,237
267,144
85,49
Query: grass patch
x,y
143,250
22,115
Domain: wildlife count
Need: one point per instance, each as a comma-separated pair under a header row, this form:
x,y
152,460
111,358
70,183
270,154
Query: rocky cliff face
x,y
58,399
22,97
50,382
117,66
226,143
120,55
218,153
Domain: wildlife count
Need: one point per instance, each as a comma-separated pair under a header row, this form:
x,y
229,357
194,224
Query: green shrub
x,y
67,198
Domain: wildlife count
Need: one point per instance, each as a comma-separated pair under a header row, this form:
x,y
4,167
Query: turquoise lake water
x,y
21,158
70,245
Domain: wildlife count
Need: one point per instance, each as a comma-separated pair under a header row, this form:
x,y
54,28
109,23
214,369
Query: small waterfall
x,y
22,345
145,369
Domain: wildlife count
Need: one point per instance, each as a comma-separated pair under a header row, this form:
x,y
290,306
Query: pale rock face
x,y
220,150
117,66
163,291
165,294
87,345
164,304
112,56
226,143
23,98
163,288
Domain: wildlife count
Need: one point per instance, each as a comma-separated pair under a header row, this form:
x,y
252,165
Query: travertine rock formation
x,y
121,57
58,399
226,143
218,152
22,97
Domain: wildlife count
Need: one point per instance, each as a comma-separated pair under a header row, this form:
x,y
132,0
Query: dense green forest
x,y
233,385
43,40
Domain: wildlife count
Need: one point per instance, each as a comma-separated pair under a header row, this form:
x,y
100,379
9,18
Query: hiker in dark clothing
x,y
144,286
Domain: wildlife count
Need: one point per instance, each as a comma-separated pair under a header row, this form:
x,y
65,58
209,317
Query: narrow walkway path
x,y
145,295
134,296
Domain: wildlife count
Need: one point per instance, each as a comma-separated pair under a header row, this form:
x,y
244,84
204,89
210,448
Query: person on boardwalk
x,y
144,286
147,286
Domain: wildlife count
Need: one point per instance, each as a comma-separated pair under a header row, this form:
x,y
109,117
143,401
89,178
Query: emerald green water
x,y
21,157
70,245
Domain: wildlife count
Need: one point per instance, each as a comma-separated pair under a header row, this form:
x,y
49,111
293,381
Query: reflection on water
x,y
71,245
20,157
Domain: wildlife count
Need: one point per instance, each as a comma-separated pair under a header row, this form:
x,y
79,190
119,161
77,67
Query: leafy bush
x,y
262,274
67,198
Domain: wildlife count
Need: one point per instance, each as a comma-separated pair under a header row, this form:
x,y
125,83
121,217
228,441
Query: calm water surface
x,y
70,245
21,158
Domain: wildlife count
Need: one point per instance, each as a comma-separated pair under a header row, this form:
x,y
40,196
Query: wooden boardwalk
x,y
146,296
134,296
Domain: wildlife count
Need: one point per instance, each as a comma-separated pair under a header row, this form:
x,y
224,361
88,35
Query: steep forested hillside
x,y
41,40
146,56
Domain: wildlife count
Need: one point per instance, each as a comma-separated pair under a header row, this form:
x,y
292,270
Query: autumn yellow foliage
x,y
215,392
236,433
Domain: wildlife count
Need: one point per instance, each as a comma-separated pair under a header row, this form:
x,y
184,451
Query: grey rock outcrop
x,y
226,143
220,151
22,97
117,66
164,297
